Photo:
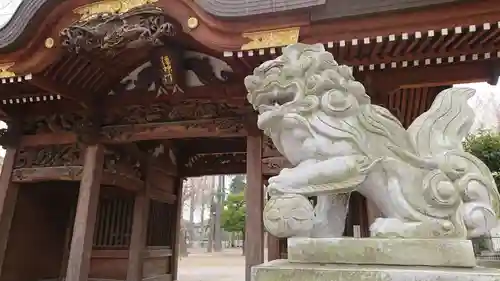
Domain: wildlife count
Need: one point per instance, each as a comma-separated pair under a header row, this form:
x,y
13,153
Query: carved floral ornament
x,y
70,156
135,114
137,26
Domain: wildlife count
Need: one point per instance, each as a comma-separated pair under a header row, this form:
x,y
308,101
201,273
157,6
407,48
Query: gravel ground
x,y
228,265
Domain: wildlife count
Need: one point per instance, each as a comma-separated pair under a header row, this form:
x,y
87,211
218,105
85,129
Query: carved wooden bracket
x,y
273,165
87,129
109,32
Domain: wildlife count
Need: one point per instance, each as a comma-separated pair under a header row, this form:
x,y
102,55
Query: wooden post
x,y
363,217
86,211
139,236
174,265
8,197
273,247
254,196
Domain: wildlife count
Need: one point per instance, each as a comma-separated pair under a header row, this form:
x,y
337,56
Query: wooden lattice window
x,y
114,223
161,224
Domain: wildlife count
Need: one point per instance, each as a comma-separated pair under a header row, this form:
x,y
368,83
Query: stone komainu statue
x,y
321,119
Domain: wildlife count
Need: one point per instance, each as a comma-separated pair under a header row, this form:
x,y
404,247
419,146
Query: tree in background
x,y
197,195
485,145
237,184
233,214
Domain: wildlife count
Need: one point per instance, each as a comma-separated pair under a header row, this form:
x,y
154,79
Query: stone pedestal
x,y
417,252
346,259
283,270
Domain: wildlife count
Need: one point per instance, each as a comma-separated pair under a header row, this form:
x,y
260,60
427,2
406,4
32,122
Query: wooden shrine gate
x,y
111,104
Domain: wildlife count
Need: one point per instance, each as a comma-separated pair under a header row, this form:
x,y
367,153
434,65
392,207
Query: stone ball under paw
x,y
289,215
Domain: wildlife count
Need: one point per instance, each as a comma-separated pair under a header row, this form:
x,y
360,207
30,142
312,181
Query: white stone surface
x,y
282,270
495,238
287,213
410,252
321,119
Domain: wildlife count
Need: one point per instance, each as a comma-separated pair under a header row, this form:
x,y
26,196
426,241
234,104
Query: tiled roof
x,y
240,8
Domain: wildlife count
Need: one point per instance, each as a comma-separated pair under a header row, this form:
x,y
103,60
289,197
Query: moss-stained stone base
x,y
425,252
282,270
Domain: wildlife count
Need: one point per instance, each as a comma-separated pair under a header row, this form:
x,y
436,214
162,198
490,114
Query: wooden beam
x,y
8,198
229,169
214,145
139,237
48,139
271,166
218,127
74,173
231,93
254,196
86,212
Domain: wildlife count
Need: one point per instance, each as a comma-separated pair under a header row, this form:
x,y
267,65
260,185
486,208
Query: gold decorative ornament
x,y
49,43
271,38
4,70
110,7
166,66
193,23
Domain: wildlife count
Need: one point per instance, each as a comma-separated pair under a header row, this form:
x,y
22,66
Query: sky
x,y
197,211
7,9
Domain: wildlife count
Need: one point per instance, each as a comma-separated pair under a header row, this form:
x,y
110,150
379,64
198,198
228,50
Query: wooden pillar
x,y
273,248
8,197
254,196
139,236
357,216
86,211
174,264
363,217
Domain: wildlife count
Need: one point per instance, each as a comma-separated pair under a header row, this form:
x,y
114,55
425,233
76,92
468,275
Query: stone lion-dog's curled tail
x,y
438,135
